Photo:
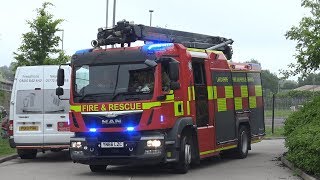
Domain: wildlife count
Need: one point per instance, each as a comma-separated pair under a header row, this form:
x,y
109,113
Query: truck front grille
x,y
100,121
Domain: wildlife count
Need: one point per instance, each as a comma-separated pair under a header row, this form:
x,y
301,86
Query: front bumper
x,y
134,152
116,160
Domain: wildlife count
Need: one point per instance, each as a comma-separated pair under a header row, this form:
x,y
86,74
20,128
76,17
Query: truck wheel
x,y
27,153
98,168
243,143
185,155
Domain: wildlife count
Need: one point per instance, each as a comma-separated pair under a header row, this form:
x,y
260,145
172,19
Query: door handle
x,y
239,112
62,116
247,111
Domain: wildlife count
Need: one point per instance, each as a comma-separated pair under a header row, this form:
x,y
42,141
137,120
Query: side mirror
x,y
59,91
174,70
60,77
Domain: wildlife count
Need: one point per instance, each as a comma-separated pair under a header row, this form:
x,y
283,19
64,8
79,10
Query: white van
x,y
39,120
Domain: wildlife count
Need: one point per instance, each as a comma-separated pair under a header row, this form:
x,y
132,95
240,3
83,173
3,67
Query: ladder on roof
x,y
124,32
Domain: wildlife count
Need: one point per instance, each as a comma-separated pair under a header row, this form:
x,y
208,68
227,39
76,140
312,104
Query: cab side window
x,y
198,73
165,77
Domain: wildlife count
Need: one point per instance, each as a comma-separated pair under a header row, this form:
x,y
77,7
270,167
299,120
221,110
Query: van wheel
x,y
243,143
27,153
185,155
98,168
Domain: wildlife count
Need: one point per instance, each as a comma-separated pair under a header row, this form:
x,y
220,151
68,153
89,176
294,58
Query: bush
x,y
302,132
298,94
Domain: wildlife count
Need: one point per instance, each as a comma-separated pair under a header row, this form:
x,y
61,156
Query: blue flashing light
x,y
157,47
83,51
93,130
161,118
130,128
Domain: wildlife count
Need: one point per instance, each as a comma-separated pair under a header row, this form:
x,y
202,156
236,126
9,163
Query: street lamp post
x,y
114,16
107,12
151,11
114,13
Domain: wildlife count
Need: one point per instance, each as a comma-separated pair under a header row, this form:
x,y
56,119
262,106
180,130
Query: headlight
x,y
76,144
153,143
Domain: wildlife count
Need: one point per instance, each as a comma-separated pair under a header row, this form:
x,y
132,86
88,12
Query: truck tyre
x,y
98,168
185,155
27,153
243,143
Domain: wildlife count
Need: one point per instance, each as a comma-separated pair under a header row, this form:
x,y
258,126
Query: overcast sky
x,y
256,26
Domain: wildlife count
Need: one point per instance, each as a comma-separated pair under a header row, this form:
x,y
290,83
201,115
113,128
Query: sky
x,y
256,26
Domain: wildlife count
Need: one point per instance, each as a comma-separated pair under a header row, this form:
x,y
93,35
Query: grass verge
x,y
278,131
5,148
277,113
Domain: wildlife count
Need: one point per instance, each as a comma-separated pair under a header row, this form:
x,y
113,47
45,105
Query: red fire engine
x,y
174,100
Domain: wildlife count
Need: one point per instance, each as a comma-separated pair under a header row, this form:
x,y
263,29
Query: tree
x,y
39,46
307,35
310,79
270,80
289,84
7,73
253,61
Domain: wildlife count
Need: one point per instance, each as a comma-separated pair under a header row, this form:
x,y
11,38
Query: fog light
x,y
76,144
153,143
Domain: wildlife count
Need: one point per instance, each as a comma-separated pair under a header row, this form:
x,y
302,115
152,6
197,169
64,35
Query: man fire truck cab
x,y
174,100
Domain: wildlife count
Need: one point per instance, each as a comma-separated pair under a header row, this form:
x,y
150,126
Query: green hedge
x,y
298,94
302,132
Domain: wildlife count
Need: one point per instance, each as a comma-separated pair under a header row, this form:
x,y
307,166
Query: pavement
x,y
7,157
262,163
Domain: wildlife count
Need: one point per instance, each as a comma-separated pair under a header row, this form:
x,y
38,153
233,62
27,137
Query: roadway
x,y
262,163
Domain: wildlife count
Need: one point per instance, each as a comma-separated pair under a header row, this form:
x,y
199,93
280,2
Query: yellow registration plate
x,y
28,128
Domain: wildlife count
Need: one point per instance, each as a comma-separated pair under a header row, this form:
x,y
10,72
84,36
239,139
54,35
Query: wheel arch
x,y
185,125
245,123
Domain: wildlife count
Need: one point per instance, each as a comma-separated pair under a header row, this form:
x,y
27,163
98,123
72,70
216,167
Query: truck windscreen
x,y
106,83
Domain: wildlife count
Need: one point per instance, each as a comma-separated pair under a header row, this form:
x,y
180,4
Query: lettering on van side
x,y
29,80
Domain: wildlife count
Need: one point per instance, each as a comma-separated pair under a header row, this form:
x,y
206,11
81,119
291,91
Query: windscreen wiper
x,y
127,93
60,110
91,95
32,111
